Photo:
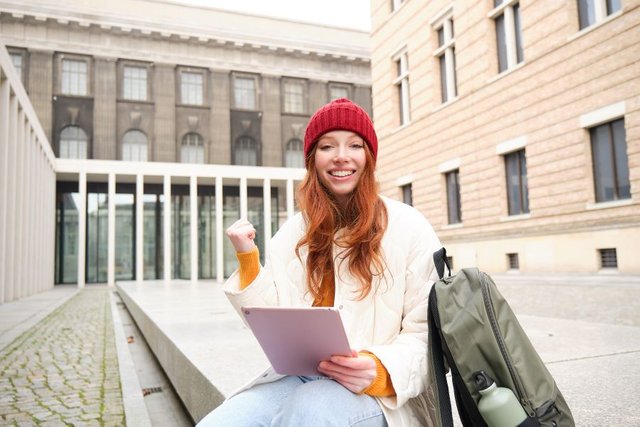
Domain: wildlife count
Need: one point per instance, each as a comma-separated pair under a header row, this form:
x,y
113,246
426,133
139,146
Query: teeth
x,y
342,173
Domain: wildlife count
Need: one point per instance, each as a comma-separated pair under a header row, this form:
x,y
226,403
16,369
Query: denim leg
x,y
254,407
324,402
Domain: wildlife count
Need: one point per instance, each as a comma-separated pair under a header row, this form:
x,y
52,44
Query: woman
x,y
368,256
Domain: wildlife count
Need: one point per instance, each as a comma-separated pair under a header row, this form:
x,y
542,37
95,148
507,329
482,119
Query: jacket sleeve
x,y
405,358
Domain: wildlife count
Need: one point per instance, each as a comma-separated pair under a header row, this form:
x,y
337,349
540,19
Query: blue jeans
x,y
297,401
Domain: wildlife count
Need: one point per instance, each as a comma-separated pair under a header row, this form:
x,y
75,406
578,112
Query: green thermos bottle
x,y
498,405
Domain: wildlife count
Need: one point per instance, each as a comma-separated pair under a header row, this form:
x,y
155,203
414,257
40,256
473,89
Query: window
x,y
450,261
245,151
192,149
513,262
506,15
338,91
294,97
401,83
73,143
395,4
294,155
517,188
610,163
191,88
608,258
244,93
447,59
593,11
134,146
454,214
407,194
135,83
74,77
16,59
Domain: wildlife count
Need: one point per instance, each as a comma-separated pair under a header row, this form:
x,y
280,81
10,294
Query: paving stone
x,y
64,369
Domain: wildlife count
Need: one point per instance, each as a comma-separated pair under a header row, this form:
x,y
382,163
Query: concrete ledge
x,y
198,338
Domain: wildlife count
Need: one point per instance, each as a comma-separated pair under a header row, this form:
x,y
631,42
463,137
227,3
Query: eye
x,y
325,147
357,145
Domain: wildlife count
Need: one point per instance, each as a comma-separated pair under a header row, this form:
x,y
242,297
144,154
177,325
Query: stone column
x,y
271,122
164,97
220,122
105,143
40,88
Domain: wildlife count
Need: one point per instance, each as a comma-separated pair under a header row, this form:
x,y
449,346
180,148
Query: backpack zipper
x,y
503,348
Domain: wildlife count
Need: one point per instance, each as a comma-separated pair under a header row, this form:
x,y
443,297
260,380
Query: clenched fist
x,y
241,233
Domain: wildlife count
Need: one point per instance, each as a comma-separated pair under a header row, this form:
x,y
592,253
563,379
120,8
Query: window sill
x,y
515,217
606,205
452,226
592,27
199,106
400,128
445,104
506,72
135,101
609,271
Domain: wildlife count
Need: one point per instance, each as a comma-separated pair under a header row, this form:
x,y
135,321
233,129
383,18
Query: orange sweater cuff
x,y
381,385
249,266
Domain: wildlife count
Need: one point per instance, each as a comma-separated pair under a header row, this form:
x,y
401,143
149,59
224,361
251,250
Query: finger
x,y
359,363
335,370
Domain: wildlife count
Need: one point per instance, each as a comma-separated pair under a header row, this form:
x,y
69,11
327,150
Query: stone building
x,y
160,81
514,126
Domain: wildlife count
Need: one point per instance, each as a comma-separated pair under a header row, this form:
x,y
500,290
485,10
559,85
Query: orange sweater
x,y
249,269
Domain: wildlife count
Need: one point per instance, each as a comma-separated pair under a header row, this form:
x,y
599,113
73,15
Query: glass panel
x,y
294,155
602,164
74,77
125,237
336,92
407,194
181,237
443,77
441,36
207,236
512,165
134,146
97,237
622,163
524,186
246,152
73,143
613,6
135,83
453,197
153,236
245,93
501,43
455,76
192,149
294,97
586,12
518,33
16,59
67,216
192,88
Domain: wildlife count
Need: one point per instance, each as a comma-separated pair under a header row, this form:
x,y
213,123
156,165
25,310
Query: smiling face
x,y
339,160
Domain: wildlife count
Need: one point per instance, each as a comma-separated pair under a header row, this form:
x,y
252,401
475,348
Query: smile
x,y
341,173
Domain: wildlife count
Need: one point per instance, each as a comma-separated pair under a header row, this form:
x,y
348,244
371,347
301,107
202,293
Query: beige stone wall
x,y
566,74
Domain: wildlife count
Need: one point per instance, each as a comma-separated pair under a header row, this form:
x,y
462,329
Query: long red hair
x,y
364,222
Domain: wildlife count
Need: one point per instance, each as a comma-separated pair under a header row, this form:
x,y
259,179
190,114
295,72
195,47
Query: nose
x,y
342,154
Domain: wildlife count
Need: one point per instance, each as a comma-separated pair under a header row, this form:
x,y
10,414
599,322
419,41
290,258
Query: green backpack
x,y
472,328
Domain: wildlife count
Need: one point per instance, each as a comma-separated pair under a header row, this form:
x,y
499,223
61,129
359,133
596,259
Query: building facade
x,y
514,126
159,81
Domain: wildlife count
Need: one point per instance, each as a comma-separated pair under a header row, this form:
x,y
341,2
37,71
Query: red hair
x,y
364,221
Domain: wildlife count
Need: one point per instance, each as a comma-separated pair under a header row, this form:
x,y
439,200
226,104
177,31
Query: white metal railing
x,y
169,173
27,192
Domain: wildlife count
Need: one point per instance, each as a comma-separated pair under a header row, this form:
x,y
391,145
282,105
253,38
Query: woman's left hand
x,y
355,372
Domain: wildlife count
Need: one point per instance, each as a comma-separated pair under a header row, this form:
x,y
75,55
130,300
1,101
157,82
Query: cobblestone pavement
x,y
64,370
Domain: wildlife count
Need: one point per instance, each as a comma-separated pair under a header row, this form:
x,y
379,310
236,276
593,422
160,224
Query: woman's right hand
x,y
241,233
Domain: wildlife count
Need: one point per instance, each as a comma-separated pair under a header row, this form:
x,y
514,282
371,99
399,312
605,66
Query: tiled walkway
x,y
64,370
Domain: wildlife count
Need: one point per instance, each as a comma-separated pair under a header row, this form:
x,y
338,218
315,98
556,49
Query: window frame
x,y
256,91
457,209
86,142
123,91
202,73
334,85
22,70
67,91
601,11
288,82
401,85
445,54
234,156
614,164
198,145
523,207
287,151
135,143
513,40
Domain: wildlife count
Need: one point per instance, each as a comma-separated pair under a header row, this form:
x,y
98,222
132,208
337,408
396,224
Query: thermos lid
x,y
482,380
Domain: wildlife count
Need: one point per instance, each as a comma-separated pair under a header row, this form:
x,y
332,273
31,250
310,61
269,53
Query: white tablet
x,y
296,340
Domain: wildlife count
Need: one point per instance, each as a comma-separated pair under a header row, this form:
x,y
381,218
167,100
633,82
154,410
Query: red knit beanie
x,y
340,114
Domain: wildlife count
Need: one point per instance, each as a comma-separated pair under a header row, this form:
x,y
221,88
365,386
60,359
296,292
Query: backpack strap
x,y
440,260
437,355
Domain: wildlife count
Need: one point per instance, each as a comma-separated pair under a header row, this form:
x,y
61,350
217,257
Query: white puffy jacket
x,y
390,322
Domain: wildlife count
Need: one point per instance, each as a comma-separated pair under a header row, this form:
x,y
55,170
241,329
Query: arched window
x,y
134,146
192,150
245,151
293,155
73,143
